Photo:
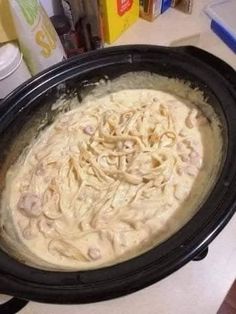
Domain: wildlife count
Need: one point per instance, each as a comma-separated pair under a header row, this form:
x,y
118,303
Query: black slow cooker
x,y
215,78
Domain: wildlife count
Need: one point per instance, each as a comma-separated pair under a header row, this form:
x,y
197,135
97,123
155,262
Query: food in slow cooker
x,y
110,179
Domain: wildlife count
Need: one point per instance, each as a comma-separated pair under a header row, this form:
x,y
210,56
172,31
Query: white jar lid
x,y
10,59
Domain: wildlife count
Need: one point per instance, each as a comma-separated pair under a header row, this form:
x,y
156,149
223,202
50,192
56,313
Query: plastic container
x,y
13,70
223,21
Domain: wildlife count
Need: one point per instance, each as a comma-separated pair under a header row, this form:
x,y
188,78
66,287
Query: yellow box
x,y
117,16
7,30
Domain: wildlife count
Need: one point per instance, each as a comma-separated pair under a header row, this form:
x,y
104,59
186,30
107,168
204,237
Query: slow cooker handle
x,y
12,306
203,253
210,59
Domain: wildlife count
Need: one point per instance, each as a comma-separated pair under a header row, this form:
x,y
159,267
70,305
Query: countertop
x,y
198,287
177,28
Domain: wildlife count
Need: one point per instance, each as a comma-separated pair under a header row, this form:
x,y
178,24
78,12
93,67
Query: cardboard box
x,y
183,5
117,16
150,9
7,29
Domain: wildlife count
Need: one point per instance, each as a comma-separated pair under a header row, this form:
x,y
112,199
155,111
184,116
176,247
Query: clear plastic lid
x,y
223,12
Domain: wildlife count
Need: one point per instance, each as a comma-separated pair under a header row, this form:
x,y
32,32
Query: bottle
x,y
69,37
39,42
73,10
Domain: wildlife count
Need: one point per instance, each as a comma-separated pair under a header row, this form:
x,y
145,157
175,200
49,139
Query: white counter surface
x,y
174,26
198,287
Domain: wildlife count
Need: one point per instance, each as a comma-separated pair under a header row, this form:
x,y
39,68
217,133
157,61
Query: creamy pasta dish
x,y
110,179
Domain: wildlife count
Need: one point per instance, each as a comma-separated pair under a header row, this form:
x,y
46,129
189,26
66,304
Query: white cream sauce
x,y
110,179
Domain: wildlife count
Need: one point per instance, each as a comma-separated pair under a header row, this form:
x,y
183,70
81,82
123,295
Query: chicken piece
x,y
195,119
94,253
191,171
180,192
89,130
180,170
191,118
30,205
30,232
183,132
194,154
46,227
184,158
27,234
188,143
195,159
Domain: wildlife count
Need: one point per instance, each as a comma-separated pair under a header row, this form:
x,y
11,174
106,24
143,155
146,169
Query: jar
x,y
69,38
13,70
